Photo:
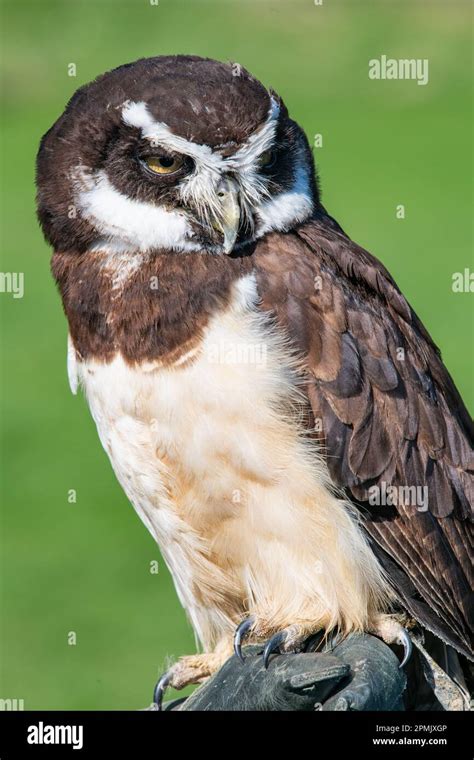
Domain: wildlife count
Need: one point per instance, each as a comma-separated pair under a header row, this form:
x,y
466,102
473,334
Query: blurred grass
x,y
84,567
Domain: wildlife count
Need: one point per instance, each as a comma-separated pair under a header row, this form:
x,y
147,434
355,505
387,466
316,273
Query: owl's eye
x,y
164,164
267,159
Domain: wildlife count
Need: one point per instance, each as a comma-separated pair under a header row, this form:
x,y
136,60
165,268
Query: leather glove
x,y
359,673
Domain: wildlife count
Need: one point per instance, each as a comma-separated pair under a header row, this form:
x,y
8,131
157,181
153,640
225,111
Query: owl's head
x,y
174,153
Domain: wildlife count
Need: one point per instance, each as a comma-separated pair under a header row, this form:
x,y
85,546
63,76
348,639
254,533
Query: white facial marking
x,y
199,188
125,224
294,206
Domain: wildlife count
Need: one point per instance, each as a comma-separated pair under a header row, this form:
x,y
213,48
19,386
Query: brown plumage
x,y
145,322
389,409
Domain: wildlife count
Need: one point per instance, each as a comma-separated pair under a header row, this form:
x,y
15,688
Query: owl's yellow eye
x,y
266,159
164,164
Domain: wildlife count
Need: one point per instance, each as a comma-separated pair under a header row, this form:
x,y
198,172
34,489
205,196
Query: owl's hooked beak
x,y
228,221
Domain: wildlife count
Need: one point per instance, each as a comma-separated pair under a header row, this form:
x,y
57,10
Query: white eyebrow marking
x,y
258,142
136,114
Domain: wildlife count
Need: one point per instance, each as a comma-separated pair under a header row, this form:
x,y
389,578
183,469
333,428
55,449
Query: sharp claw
x,y
273,645
240,633
405,641
160,689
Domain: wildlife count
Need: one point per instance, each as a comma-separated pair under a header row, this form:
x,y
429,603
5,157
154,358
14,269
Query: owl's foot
x,y
293,638
290,639
391,631
191,669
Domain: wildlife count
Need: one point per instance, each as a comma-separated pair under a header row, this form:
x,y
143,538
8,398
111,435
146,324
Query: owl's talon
x,y
160,689
273,645
392,632
405,642
240,633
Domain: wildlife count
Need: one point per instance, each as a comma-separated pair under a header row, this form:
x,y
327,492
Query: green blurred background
x,y
85,566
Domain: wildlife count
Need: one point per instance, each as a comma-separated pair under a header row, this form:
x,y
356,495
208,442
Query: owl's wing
x,y
389,411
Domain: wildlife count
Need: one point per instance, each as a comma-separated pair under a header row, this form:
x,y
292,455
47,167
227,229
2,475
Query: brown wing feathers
x,y
390,413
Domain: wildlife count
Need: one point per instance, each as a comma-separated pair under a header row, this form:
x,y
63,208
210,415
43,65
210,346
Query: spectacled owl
x,y
253,373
